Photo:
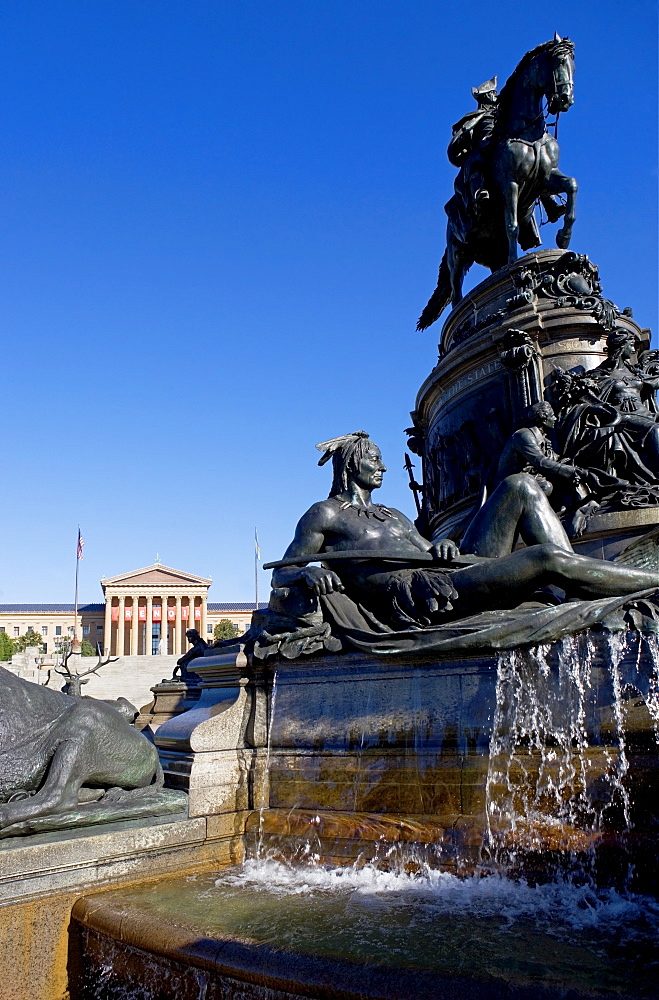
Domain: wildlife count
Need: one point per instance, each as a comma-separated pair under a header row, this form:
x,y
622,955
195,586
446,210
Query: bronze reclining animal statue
x,y
58,752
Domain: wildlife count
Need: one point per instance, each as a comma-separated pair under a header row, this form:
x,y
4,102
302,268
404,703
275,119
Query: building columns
x,y
202,627
121,626
164,628
177,627
159,647
191,621
107,628
149,626
134,625
117,642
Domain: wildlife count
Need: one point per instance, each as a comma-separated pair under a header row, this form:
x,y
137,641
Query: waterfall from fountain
x,y
563,731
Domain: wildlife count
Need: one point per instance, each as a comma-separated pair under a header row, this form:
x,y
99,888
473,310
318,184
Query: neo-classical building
x,y
146,612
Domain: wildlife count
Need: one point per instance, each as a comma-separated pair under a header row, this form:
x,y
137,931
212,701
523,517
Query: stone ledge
x,y
55,861
621,520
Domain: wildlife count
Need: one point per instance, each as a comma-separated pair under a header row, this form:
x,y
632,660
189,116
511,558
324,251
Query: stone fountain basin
x,y
213,936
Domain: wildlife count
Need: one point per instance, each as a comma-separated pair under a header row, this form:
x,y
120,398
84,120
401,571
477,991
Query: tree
x,y
225,630
86,648
7,647
28,639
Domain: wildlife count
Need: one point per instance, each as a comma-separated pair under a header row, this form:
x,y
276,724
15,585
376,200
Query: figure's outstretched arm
x,y
309,539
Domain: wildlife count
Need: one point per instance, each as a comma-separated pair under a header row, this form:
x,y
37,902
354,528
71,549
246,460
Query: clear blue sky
x,y
218,224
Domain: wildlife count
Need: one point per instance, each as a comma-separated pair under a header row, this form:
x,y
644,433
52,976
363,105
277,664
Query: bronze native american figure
x,y
380,586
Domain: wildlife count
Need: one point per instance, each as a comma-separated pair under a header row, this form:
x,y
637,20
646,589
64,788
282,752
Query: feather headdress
x,y
346,452
334,444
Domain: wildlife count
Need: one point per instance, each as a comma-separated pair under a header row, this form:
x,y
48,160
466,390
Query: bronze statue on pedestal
x,y
508,161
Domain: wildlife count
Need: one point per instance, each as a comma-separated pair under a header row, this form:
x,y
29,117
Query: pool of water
x,y
562,939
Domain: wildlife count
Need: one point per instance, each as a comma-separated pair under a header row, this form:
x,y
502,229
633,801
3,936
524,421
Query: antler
x,y
101,662
92,670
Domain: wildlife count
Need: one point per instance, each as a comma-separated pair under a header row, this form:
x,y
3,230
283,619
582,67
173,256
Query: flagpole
x,y
75,609
257,556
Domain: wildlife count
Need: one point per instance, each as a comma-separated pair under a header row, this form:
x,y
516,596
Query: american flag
x,y
81,544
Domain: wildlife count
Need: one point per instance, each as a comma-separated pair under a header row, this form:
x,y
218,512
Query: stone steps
x,y
130,677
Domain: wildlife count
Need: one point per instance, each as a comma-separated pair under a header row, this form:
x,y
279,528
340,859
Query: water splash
x,y
616,644
360,927
559,902
651,641
549,785
264,798
558,783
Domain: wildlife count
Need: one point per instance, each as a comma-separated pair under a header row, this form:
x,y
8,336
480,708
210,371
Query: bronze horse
x,y
521,168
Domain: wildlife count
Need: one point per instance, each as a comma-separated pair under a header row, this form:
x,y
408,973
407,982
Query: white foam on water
x,y
553,905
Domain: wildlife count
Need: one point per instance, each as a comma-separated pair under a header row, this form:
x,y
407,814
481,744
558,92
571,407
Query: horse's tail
x,y
439,299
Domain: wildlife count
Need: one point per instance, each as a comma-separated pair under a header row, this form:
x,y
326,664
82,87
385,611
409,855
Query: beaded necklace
x,y
377,510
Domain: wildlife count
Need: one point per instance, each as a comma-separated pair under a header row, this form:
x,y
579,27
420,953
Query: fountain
x,y
484,828
432,763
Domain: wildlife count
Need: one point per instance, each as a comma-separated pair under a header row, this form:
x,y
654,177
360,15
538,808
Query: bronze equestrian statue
x,y
508,161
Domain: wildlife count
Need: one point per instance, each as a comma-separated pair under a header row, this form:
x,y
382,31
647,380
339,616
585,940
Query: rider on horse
x,y
469,149
470,138
508,162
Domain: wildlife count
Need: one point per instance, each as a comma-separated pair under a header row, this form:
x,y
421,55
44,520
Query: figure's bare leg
x,y
560,183
507,581
517,506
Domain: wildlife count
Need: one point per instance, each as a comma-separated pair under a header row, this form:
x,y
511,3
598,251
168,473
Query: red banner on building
x,y
157,613
197,614
141,610
184,613
128,614
115,614
171,614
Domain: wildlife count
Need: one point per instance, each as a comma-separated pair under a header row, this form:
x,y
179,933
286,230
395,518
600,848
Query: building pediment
x,y
156,575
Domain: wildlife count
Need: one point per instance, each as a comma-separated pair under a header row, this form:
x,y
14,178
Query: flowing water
x,y
561,760
549,783
365,926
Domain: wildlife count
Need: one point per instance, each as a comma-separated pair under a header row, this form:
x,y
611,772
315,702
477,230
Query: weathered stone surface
x,y
42,876
50,861
205,750
169,699
219,719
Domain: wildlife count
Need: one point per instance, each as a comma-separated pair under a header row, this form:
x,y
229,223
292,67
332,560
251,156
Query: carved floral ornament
x,y
572,281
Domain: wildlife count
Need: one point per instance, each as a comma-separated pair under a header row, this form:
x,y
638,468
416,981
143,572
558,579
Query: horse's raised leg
x,y
560,183
510,198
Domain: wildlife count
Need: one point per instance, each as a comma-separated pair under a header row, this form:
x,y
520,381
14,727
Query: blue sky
x,y
218,224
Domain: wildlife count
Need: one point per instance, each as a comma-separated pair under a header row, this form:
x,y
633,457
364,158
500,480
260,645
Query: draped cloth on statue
x,y
529,624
